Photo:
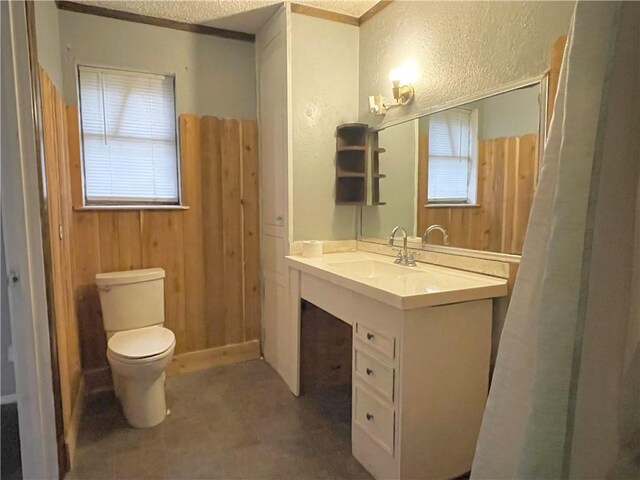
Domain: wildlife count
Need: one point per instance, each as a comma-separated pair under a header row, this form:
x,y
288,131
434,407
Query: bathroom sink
x,y
370,269
403,287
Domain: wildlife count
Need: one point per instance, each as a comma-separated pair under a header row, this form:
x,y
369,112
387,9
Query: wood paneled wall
x,y
507,175
59,220
209,251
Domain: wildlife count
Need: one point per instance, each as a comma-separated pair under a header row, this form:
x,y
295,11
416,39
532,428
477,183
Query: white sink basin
x,y
403,287
371,269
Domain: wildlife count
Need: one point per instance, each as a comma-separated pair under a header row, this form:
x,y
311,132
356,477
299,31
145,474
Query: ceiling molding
x,y
340,17
374,10
155,21
326,14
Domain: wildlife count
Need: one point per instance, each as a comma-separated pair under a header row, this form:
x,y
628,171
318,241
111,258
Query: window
x,y
128,131
452,145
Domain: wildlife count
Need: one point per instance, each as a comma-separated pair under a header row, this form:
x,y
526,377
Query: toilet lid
x,y
142,342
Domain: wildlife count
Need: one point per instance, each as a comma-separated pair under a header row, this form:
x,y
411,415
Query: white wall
x,y
510,114
398,190
48,39
324,63
460,48
214,75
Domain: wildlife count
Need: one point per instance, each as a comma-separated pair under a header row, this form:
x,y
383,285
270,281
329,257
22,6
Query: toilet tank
x,y
131,299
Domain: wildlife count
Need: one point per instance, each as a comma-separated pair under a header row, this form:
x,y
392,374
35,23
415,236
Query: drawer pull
x,y
370,336
369,371
369,417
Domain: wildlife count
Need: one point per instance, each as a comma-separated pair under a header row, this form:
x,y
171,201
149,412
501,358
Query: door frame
x,y
22,233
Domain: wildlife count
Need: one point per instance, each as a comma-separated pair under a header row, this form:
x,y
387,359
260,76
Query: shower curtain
x,y
565,395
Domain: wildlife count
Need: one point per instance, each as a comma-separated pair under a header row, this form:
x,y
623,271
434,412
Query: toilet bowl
x,y
138,358
139,348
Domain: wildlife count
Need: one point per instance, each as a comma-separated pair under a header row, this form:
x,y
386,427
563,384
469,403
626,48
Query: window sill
x,y
131,207
452,205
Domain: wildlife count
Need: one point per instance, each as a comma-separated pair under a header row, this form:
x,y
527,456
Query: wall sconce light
x,y
402,87
403,91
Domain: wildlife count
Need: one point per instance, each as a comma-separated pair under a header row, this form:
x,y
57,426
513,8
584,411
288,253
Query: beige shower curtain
x,y
565,396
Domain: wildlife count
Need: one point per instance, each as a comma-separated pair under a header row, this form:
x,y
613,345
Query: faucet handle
x,y
399,256
410,260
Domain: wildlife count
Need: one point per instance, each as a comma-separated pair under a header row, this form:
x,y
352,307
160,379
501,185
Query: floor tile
x,y
237,421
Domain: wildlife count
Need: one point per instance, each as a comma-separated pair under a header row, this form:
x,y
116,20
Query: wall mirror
x,y
471,169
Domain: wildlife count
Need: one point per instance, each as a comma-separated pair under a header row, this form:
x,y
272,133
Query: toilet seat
x,y
141,345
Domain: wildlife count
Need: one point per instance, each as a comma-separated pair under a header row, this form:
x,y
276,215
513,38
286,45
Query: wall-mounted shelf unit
x,y
357,165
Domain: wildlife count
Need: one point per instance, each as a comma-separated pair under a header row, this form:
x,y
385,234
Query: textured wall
x,y
214,76
324,62
48,39
461,48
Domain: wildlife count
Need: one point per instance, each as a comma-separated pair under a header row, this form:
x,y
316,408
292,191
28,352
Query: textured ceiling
x,y
241,15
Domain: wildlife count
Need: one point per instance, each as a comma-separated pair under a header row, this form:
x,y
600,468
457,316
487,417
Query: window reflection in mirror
x,y
471,169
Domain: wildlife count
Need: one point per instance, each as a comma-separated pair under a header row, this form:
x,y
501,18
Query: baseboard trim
x,y
71,438
212,357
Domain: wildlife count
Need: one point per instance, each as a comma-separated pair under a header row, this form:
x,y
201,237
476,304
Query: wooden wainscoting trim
x,y
325,14
555,64
71,437
155,21
377,8
213,357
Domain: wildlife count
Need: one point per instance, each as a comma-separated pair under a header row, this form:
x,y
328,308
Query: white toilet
x,y
138,346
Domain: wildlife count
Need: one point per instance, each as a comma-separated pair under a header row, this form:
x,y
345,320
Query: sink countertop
x,y
406,288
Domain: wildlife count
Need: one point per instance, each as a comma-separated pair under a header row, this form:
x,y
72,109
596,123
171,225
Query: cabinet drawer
x,y
376,374
374,417
385,344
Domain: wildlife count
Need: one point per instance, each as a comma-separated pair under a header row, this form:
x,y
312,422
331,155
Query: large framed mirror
x,y
462,177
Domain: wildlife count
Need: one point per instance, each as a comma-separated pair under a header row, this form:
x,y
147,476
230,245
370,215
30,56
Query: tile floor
x,y
234,422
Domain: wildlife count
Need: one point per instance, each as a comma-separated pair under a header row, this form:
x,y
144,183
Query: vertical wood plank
x,y
108,234
163,246
525,188
87,265
210,134
423,182
555,64
232,230
251,229
193,232
55,261
129,240
75,168
509,195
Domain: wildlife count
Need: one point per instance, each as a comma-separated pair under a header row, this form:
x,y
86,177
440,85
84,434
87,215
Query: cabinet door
x,y
272,116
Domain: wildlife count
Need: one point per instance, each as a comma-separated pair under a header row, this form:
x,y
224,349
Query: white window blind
x,y
449,156
128,137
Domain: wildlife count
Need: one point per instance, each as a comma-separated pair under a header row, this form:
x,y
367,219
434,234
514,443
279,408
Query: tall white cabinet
x,y
273,116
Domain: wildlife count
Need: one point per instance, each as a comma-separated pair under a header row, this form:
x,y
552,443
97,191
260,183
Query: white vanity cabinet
x,y
420,374
420,382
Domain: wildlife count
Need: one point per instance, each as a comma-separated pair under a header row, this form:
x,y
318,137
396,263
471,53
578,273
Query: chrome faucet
x,y
405,256
431,228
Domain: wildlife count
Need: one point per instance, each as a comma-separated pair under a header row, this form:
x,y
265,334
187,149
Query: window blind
x,y
128,137
449,155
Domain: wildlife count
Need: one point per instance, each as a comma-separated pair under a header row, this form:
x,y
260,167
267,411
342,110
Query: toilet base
x,y
142,400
